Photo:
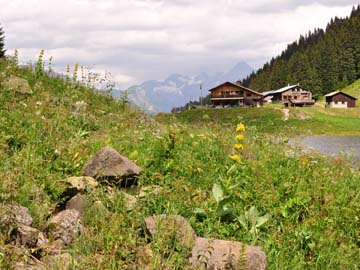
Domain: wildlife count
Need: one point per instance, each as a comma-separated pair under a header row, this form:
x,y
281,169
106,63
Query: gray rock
x,y
109,165
78,184
64,227
170,227
29,237
222,255
130,201
77,203
17,84
12,216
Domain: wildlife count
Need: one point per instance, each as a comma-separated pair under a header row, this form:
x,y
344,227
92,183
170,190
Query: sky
x,y
139,40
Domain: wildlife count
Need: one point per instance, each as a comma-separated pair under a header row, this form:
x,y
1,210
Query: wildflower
x,y
235,157
240,127
239,137
238,146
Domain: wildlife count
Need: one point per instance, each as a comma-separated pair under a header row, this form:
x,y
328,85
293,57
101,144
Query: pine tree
x,y
2,45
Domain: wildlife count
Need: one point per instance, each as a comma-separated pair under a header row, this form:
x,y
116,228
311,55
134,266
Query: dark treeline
x,y
322,61
2,43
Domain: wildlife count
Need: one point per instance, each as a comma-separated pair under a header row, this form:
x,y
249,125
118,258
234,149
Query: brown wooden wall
x,y
221,90
340,97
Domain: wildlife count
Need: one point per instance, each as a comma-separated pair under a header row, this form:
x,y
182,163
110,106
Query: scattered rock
x,y
130,201
64,227
170,227
26,236
109,165
78,184
77,203
12,216
222,255
17,84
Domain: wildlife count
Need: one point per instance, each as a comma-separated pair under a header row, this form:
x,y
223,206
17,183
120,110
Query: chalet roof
x,y
331,94
238,86
280,90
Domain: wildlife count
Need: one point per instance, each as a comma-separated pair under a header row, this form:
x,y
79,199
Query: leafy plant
x,y
252,221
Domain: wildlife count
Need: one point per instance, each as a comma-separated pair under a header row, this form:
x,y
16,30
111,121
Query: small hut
x,y
338,99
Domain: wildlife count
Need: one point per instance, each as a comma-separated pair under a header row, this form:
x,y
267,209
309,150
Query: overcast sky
x,y
138,40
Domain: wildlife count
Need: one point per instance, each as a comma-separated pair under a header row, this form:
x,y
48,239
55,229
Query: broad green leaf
x,y
262,220
253,215
243,221
217,193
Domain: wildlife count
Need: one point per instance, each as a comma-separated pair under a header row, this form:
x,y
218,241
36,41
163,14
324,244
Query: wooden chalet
x,y
235,95
338,99
291,95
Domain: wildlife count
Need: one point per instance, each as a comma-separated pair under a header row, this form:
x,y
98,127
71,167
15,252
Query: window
x,y
248,94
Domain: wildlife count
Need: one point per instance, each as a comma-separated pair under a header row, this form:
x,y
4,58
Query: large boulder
x,y
17,84
169,228
109,165
64,227
222,255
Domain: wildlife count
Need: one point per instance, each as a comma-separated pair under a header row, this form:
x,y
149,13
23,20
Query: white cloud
x,y
138,40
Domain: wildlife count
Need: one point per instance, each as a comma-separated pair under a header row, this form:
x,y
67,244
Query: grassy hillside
x,y
313,202
353,89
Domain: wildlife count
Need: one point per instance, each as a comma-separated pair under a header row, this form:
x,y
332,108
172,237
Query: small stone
x,y
64,226
130,201
78,184
77,203
12,216
17,84
222,255
108,165
168,227
29,237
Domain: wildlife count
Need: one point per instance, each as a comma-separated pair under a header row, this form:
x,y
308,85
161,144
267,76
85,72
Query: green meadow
x,y
308,205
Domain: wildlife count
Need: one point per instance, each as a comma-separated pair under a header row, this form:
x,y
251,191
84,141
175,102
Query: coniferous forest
x,y
322,61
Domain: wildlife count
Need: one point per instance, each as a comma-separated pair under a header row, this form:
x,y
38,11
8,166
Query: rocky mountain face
x,y
176,90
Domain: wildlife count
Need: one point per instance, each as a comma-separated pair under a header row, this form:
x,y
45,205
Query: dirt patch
x,y
286,114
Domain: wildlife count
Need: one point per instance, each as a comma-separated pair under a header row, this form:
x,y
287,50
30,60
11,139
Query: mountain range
x,y
162,95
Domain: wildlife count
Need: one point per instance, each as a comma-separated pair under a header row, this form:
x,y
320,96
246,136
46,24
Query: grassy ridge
x,y
313,202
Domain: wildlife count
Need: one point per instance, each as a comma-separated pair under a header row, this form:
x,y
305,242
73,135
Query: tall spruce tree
x,y
2,43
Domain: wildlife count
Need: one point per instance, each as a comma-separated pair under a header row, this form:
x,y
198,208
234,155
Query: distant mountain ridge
x,y
176,90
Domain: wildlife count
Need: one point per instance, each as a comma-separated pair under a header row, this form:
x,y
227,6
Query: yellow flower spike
x,y
238,146
240,127
235,158
239,137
